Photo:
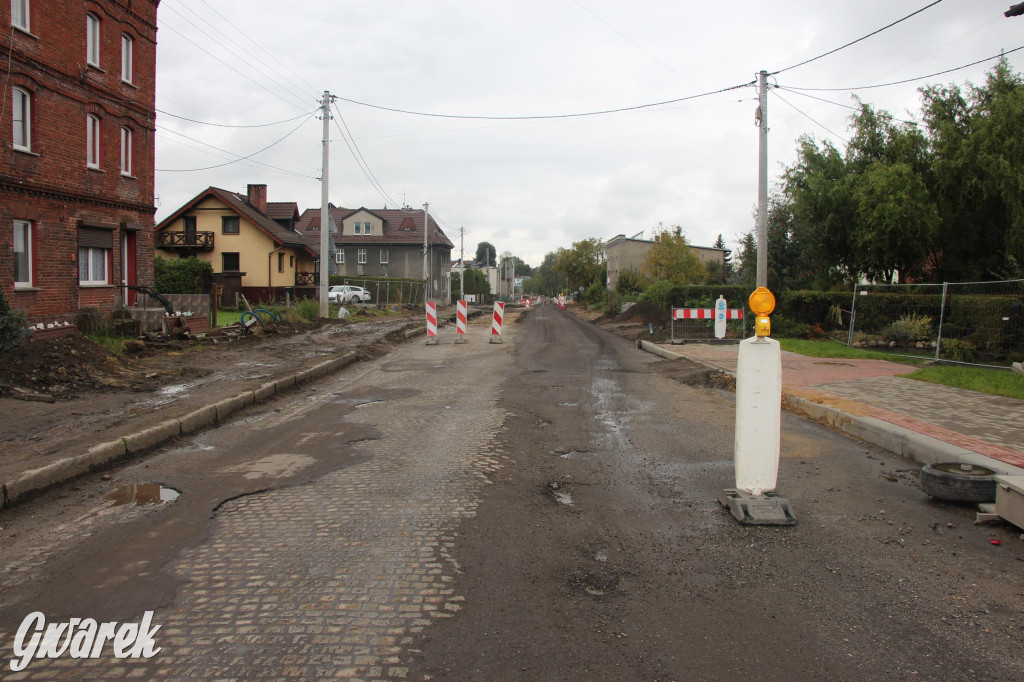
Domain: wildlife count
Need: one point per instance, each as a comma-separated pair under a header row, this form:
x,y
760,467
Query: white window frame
x,y
126,151
384,256
90,257
339,257
361,256
127,58
367,228
92,141
357,228
24,227
22,130
22,8
92,39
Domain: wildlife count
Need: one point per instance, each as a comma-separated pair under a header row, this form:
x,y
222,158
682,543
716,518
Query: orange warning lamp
x,y
762,303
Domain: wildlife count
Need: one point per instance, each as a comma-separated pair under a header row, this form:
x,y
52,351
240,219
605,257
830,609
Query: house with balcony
x,y
385,243
252,244
77,159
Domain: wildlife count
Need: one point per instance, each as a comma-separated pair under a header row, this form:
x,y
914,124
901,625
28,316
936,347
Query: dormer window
x,y
361,228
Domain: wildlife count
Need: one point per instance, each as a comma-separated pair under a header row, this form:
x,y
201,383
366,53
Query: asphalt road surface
x,y
540,509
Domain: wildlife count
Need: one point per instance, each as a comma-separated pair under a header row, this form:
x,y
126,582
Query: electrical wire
x,y
358,155
808,117
909,80
251,163
838,104
249,56
226,125
241,158
854,42
167,26
548,116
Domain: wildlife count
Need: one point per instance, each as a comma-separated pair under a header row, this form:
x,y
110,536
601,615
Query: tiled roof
x,y
400,226
282,210
240,204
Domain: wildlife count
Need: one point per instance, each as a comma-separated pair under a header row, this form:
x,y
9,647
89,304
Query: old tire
x,y
957,482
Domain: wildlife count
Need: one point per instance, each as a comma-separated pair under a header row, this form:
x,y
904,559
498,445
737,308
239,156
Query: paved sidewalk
x,y
866,398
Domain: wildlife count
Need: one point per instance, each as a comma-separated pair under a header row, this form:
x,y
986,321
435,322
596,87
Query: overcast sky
x,y
530,187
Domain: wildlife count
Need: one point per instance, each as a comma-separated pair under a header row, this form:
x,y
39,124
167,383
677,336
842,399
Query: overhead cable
x,y
808,117
854,42
548,116
227,125
241,158
909,80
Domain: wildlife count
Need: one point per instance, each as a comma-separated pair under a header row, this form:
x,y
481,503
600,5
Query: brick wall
x,y
49,184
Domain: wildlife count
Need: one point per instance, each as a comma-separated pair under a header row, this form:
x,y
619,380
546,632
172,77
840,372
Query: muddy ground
x,y
96,396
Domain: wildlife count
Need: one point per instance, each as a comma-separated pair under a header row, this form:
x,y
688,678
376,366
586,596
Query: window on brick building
x,y
23,254
230,262
92,265
22,112
126,151
20,14
361,256
127,65
92,141
95,246
229,224
92,39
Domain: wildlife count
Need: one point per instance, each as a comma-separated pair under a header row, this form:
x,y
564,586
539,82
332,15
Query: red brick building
x,y
77,157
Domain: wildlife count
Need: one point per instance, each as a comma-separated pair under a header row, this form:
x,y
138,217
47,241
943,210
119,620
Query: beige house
x,y
253,246
628,253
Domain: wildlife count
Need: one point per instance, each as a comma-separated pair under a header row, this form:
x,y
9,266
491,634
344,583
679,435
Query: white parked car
x,y
345,293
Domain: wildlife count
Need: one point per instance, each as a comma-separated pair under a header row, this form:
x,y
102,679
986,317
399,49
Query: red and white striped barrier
x,y
460,321
499,314
431,323
704,314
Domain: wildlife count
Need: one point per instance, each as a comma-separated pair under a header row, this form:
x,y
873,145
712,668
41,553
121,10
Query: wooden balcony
x,y
306,279
191,241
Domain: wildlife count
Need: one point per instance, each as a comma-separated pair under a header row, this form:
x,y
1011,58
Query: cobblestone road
x,y
332,579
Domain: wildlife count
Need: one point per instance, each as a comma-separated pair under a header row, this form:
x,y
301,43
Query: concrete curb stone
x,y
914,446
63,470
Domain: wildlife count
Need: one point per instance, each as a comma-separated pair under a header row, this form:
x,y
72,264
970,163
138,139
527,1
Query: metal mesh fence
x,y
978,323
388,293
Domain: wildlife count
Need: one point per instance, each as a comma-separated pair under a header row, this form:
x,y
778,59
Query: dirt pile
x,y
60,367
643,313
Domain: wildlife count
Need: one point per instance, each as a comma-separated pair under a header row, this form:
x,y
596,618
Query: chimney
x,y
258,197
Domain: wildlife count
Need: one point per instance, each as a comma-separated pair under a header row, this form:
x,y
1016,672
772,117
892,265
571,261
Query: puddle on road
x,y
174,390
142,495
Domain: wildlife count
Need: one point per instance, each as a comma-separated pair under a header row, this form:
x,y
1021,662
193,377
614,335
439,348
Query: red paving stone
x,y
805,377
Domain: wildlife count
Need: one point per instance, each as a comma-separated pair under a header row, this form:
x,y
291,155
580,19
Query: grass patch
x,y
834,349
991,381
114,344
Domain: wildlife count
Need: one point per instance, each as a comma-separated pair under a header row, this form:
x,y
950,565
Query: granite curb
x,y
134,444
911,445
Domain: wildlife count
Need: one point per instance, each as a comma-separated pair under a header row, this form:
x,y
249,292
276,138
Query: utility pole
x,y
325,216
762,186
426,249
462,261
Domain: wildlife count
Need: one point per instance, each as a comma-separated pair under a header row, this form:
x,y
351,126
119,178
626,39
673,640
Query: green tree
x,y
486,254
582,264
544,280
631,282
671,259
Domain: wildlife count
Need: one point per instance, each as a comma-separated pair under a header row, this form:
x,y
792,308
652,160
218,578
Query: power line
x,y
358,155
628,40
245,76
249,55
241,158
548,116
161,133
226,125
910,80
806,115
838,104
854,42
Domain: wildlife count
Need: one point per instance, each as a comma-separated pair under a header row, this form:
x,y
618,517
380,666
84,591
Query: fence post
x,y
942,317
853,316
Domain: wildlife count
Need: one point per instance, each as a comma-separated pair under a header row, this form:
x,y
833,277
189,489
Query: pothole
x,y
559,493
142,495
594,583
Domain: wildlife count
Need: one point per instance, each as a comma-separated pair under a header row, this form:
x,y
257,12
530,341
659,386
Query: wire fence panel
x,y
979,323
390,293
